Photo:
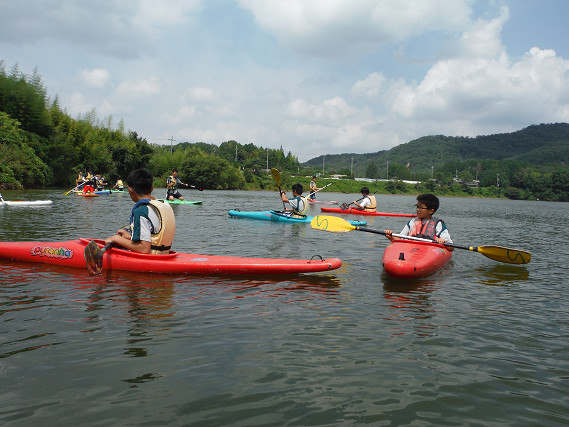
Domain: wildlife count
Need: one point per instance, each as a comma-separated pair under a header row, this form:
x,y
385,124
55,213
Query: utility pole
x,y
387,174
171,141
323,159
432,167
352,167
267,150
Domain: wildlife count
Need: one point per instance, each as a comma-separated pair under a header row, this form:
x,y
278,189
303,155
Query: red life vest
x,y
427,230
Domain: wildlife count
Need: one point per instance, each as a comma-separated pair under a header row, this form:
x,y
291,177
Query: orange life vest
x,y
427,230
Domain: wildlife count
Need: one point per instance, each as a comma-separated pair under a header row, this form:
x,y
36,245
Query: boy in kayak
x,y
313,188
368,202
298,203
89,183
172,186
152,223
424,225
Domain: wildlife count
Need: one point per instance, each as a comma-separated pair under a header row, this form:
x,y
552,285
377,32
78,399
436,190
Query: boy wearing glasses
x,y
424,225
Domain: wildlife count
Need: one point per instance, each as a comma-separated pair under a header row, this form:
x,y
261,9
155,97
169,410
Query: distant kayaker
x,y
424,225
89,183
119,185
298,203
172,185
80,179
152,223
368,202
313,188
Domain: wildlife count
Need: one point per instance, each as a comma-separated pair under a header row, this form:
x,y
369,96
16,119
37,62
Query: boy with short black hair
x,y
152,223
298,203
424,225
368,202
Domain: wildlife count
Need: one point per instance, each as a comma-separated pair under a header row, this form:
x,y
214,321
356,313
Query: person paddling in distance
x,y
368,202
298,203
313,188
172,185
80,179
88,187
424,225
119,185
152,222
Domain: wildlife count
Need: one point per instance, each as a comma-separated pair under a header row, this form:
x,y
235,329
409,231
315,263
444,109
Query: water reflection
x,y
501,274
411,301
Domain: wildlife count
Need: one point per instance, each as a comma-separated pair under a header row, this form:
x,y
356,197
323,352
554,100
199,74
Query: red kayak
x,y
361,212
71,254
411,259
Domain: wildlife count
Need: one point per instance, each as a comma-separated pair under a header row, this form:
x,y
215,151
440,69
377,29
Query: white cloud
x,y
140,88
334,27
97,77
369,87
199,94
78,105
331,111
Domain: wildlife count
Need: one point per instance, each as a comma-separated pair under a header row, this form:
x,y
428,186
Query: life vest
x,y
171,180
297,212
427,230
161,240
373,203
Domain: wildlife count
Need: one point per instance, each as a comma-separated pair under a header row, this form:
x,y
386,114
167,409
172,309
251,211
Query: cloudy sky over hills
x,y
312,76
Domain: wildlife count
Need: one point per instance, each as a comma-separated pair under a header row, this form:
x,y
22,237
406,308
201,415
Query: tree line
x,y
42,146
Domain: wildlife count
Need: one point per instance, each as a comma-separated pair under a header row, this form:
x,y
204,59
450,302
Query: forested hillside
x,y
544,145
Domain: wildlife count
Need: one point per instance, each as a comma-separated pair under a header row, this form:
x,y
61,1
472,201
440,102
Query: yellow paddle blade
x,y
502,254
276,176
333,224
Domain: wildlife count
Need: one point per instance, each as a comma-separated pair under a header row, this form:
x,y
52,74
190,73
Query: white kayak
x,y
26,203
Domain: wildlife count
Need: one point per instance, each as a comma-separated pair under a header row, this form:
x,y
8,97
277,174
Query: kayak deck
x,y
277,216
71,254
410,259
182,202
21,203
355,211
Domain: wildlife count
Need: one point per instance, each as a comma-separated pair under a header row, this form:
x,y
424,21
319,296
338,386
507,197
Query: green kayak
x,y
181,202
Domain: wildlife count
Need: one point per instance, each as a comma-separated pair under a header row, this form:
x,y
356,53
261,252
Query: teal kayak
x,y
279,216
181,202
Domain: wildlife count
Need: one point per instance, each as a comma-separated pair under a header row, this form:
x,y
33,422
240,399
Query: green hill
x,y
539,145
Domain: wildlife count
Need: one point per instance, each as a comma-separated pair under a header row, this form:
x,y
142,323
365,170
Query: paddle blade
x,y
344,206
93,258
502,254
333,224
276,176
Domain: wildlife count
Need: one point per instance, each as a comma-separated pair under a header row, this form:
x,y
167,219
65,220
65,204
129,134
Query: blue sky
x,y
314,76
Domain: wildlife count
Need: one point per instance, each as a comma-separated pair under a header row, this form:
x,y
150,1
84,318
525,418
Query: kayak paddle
x,y
75,188
277,177
314,192
336,224
94,257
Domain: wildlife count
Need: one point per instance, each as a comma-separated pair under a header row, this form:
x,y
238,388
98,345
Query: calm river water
x,y
479,344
